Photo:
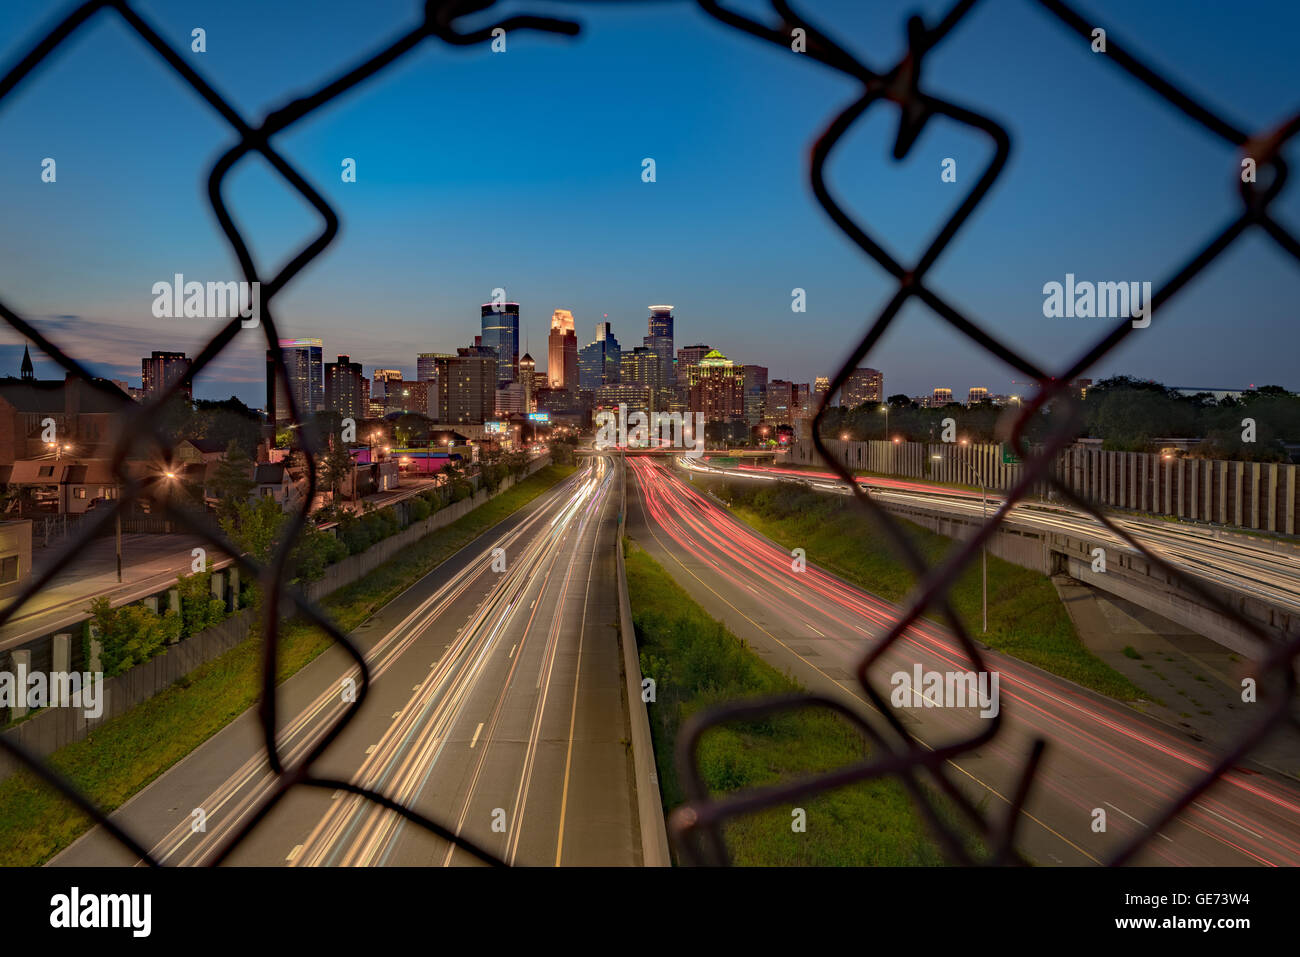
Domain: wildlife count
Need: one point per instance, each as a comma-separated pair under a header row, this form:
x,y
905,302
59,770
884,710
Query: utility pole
x,y
984,549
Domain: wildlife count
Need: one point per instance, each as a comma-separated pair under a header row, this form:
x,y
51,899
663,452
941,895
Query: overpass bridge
x,y
1257,578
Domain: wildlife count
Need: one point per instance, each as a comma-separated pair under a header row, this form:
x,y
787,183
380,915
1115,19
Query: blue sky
x,y
522,170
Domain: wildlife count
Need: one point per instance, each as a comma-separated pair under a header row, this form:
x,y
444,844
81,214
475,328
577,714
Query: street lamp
x,y
885,409
984,549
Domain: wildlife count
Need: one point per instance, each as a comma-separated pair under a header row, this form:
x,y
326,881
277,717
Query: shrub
x,y
130,635
199,609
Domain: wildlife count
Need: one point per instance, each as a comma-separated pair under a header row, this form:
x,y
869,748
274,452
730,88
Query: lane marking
x,y
476,734
512,650
1134,820
1233,823
294,853
645,518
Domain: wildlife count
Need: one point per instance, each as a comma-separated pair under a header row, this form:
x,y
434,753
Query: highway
x,y
496,708
1235,562
1100,756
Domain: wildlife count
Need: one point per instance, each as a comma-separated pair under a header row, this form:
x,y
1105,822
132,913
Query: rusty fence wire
x,y
697,827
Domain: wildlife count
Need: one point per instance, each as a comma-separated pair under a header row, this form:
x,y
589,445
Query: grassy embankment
x,y
1026,617
695,661
128,752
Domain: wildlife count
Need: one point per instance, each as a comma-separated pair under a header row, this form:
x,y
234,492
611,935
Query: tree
x,y
232,479
225,421
254,526
490,471
336,466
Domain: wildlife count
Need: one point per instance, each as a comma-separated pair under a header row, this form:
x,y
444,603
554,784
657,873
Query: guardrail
x,y
650,802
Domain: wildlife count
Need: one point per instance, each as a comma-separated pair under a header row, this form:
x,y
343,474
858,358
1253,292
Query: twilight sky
x,y
522,170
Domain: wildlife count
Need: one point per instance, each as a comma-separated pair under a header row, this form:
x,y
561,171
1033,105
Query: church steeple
x,y
27,371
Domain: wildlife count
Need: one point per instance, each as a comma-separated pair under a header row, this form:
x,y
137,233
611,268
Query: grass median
x,y
695,662
127,753
1026,617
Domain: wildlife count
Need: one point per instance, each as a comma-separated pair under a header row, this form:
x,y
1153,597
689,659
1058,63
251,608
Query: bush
x,y
354,534
130,635
315,550
199,609
418,509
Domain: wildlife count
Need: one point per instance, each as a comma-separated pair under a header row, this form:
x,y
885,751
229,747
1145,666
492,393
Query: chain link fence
x,y
697,828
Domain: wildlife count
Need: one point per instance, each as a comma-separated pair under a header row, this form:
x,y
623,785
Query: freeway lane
x,y
432,681
1236,562
500,732
1100,754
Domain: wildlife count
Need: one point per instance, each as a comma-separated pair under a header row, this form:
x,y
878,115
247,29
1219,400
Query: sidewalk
x,y
149,564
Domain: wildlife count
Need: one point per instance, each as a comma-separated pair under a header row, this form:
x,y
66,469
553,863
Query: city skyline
x,y
411,371
411,254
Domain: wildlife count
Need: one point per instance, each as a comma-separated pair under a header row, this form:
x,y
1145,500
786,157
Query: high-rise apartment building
x,y
467,386
940,398
426,366
305,372
426,370
717,388
643,366
510,399
780,401
688,356
501,335
158,372
405,396
346,389
863,385
977,394
821,386
379,382
755,383
562,352
801,401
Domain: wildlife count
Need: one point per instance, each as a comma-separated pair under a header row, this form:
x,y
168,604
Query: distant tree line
x,y
1127,414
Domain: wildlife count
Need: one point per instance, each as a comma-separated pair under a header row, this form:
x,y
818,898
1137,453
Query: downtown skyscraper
x,y
599,361
562,352
863,385
660,341
347,391
501,335
159,371
305,372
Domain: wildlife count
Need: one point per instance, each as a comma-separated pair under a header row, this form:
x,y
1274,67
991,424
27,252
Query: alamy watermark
x,y
946,689
1098,300
75,909
640,430
179,299
60,689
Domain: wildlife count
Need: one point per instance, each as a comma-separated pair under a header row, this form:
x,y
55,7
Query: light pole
x,y
984,550
885,409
